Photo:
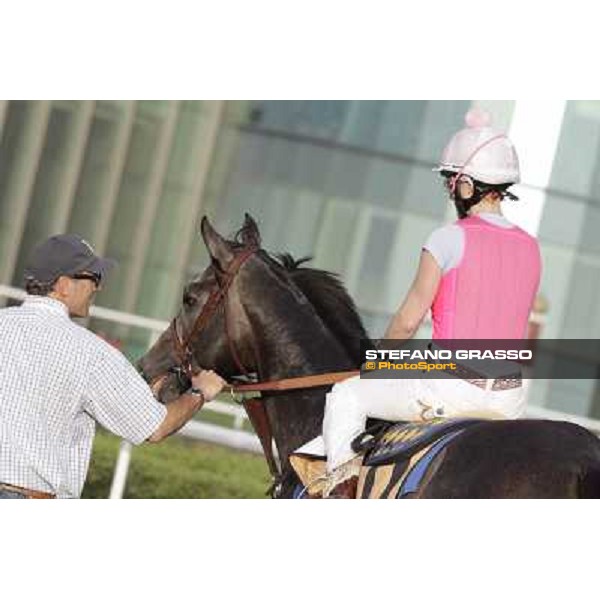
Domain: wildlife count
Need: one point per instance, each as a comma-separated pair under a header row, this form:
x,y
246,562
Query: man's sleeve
x,y
446,245
119,399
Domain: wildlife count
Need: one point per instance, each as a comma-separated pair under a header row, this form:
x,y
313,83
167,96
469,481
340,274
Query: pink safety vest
x,y
490,293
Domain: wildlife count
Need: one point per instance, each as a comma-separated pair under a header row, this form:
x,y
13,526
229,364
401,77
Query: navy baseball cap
x,y
65,254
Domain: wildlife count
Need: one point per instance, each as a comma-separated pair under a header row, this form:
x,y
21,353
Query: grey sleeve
x,y
446,245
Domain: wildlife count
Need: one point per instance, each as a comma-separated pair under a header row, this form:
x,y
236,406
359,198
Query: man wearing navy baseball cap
x,y
65,254
57,379
65,267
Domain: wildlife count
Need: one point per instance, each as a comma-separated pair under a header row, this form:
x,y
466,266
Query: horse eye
x,y
189,300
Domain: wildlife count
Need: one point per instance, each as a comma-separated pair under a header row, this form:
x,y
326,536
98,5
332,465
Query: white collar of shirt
x,y
495,219
46,303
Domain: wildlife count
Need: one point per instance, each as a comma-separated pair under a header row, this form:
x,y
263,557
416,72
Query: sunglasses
x,y
95,277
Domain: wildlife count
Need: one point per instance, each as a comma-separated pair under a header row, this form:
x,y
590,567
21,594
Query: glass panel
x,y
376,263
386,182
14,127
584,300
374,323
557,264
46,199
321,119
96,172
411,234
580,134
440,121
22,147
131,198
346,175
571,395
337,234
562,220
401,127
299,235
311,167
166,262
426,194
280,155
363,122
251,158
590,238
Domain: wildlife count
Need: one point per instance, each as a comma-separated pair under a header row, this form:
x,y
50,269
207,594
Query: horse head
x,y
230,317
210,330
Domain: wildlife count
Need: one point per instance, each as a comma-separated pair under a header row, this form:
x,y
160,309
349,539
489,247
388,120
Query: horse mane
x,y
329,297
323,290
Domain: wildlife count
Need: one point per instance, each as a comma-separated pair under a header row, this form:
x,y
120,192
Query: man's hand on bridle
x,y
209,382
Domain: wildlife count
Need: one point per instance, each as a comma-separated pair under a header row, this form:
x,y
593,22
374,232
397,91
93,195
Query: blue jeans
x,y
10,495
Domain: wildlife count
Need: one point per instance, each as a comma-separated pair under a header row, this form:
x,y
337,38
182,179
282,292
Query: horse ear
x,y
249,234
217,247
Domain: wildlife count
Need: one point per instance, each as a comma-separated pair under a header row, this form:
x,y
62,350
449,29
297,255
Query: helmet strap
x,y
464,202
462,186
466,193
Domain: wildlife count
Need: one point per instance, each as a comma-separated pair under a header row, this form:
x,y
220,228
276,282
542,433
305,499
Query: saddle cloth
x,y
396,460
402,440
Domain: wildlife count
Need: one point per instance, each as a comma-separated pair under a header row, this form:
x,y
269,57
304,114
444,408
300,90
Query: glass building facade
x,y
346,182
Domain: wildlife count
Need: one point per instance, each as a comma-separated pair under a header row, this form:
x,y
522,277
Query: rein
x,y
293,383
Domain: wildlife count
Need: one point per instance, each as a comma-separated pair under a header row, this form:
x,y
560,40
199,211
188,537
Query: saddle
x,y
400,441
396,456
397,460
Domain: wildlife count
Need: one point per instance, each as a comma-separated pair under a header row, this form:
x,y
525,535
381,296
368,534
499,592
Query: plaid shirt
x,y
56,380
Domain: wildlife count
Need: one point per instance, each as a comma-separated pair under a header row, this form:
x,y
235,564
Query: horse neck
x,y
300,347
287,334
292,350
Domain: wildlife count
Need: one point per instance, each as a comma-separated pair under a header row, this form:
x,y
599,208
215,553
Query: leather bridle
x,y
181,345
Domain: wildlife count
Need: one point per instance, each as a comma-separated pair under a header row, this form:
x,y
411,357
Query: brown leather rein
x,y
293,383
254,407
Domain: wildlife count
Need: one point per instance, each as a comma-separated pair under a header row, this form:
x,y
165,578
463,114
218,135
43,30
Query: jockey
x,y
478,276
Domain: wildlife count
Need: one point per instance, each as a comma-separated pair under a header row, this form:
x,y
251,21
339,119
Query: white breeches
x,y
350,403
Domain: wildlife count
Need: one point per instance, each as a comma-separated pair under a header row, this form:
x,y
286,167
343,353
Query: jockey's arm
x,y
418,301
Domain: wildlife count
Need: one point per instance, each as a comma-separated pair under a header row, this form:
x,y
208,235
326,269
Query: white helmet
x,y
481,152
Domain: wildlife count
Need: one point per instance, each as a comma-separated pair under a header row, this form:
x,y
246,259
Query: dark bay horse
x,y
252,313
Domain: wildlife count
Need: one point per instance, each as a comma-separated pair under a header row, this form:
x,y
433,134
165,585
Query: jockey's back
x,y
488,291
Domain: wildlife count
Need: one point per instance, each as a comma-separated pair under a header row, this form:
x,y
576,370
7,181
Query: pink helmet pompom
x,y
478,117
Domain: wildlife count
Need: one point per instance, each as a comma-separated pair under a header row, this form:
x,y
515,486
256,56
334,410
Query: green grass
x,y
178,468
208,416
